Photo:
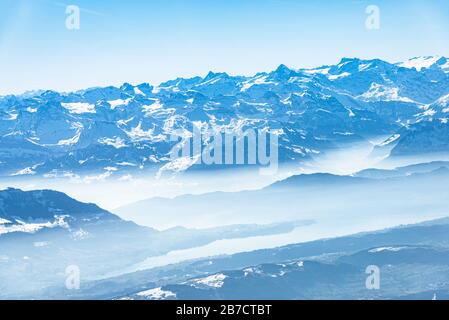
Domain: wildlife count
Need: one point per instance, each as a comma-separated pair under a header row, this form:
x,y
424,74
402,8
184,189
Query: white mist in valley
x,y
111,190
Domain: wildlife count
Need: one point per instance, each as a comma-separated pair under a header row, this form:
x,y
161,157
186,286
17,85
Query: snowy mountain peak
x,y
283,69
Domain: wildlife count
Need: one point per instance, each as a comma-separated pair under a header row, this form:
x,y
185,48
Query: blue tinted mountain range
x,y
120,129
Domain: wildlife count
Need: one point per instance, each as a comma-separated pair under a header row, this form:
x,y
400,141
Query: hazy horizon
x,y
156,41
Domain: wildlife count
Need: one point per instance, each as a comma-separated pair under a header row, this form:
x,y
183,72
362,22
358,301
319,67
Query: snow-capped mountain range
x,y
115,130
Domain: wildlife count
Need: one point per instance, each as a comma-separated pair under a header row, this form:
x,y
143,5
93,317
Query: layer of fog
x,y
337,212
337,209
111,190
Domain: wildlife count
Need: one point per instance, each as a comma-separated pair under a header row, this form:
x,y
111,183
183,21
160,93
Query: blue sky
x,y
156,40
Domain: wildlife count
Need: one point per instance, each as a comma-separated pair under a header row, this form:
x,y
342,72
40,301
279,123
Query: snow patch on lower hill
x,y
156,294
21,226
79,107
392,249
214,281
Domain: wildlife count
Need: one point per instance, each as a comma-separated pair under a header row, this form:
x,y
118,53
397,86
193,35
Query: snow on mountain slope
x,y
78,107
420,63
33,211
383,93
20,226
429,134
